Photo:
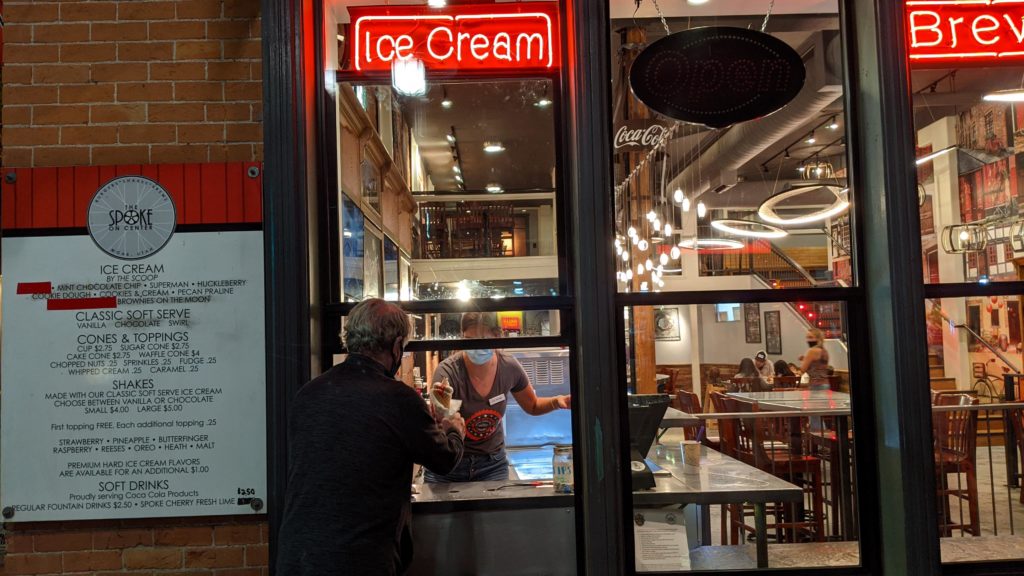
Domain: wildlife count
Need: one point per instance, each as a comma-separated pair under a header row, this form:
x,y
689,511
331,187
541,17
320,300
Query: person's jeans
x,y
474,468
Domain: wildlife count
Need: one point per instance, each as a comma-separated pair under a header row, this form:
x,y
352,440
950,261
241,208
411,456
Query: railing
x,y
470,230
773,266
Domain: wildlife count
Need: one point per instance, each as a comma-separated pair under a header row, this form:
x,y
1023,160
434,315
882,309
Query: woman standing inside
x,y
483,380
815,362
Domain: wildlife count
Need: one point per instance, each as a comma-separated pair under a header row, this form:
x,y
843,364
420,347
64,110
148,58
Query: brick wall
x,y
131,82
228,546
92,82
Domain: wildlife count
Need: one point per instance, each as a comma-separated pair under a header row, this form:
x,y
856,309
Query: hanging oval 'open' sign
x,y
717,76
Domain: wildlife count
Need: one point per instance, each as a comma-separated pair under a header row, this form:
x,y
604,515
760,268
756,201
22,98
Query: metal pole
x,y
599,408
889,267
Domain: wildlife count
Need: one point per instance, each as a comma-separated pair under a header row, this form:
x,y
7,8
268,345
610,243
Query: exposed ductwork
x,y
743,142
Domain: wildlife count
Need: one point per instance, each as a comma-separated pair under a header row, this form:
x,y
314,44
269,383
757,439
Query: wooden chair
x,y
785,382
749,384
956,436
1018,427
689,402
756,447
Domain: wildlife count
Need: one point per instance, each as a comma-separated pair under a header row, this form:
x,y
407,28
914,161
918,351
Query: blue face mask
x,y
480,357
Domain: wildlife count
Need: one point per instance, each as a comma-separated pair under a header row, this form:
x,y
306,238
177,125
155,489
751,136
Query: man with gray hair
x,y
353,436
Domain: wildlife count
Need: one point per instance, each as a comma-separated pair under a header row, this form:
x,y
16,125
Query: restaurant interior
x,y
453,191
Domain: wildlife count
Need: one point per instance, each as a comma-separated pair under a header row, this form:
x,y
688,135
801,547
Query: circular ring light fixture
x,y
767,209
748,229
711,244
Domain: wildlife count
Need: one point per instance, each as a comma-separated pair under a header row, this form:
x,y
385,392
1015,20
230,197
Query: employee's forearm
x,y
545,405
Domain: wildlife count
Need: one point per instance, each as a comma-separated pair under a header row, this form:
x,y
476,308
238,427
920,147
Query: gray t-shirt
x,y
484,432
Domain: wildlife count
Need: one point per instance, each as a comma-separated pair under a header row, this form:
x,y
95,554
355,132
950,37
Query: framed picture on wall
x,y
752,322
666,324
773,332
352,224
373,261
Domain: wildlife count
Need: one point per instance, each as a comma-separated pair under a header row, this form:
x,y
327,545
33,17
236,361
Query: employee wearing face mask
x,y
484,380
815,362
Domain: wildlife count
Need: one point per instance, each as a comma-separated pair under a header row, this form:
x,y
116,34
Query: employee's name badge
x,y
496,400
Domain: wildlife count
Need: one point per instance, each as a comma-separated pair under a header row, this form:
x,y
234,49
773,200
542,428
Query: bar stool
x,y
956,437
804,470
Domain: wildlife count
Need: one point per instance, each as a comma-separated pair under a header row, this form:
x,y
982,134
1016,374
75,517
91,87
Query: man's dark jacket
x,y
353,436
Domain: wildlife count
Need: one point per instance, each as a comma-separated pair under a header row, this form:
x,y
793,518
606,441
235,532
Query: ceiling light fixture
x,y
450,138
437,3
678,195
702,210
748,228
456,169
711,243
1005,96
686,204
409,77
543,103
493,147
810,138
833,125
697,2
494,188
839,205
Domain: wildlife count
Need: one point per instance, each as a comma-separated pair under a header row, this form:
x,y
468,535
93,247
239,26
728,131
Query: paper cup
x,y
691,457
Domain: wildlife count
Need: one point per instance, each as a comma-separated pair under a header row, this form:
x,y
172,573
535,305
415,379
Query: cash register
x,y
645,414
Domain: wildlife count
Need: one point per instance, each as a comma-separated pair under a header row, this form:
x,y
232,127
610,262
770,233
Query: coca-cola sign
x,y
639,135
717,76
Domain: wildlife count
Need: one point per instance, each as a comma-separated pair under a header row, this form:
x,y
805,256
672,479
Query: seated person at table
x,y
483,379
784,369
764,367
748,371
815,362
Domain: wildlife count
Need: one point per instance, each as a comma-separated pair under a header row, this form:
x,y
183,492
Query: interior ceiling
x,y
499,111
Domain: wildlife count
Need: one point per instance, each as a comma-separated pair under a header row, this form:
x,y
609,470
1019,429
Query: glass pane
x,y
759,393
463,178
510,324
762,203
968,123
974,360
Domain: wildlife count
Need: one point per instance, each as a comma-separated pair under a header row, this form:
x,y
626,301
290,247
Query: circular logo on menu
x,y
131,217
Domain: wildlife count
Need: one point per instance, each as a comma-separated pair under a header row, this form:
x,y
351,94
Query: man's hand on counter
x,y
455,422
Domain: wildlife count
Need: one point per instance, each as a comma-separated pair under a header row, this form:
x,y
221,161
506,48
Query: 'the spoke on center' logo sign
x,y
131,217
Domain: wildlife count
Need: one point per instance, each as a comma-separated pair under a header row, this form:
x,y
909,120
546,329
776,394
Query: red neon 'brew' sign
x,y
954,32
518,37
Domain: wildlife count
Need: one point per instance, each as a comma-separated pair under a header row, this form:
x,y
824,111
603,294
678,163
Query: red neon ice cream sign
x,y
493,37
955,32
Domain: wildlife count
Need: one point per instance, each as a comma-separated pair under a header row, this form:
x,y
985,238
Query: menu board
x,y
133,365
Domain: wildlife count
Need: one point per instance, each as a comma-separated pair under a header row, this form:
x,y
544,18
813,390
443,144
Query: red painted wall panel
x,y
218,193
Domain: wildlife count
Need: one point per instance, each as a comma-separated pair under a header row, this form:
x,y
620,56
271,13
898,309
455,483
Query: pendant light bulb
x,y
702,210
618,250
632,232
964,235
686,204
651,216
678,195
617,243
625,256
629,274
676,253
663,259
661,270
668,230
656,224
640,270
643,245
649,265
